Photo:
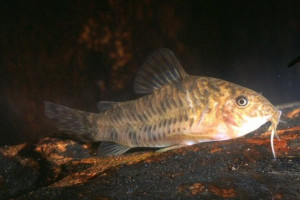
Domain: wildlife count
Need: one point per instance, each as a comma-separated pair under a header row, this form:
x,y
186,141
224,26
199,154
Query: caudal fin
x,y
75,122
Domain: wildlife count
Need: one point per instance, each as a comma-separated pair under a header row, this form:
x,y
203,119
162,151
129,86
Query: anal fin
x,y
111,148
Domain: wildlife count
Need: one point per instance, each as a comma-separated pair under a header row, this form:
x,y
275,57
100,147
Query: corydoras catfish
x,y
177,109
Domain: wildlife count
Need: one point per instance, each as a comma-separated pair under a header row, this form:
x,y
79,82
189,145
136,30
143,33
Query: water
x,y
74,56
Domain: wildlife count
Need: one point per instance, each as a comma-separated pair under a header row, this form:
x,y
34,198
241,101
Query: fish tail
x,y
78,123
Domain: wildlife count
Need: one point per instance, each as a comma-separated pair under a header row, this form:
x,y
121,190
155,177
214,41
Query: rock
x,y
243,168
17,174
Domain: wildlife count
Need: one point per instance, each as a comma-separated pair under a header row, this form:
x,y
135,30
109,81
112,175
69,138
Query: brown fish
x,y
177,110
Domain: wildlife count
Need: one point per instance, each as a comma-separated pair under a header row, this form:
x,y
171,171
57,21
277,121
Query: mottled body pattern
x,y
178,109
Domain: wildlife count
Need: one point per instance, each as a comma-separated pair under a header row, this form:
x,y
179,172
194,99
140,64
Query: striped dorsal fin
x,y
160,68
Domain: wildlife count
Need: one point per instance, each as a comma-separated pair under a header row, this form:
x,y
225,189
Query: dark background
x,y
76,53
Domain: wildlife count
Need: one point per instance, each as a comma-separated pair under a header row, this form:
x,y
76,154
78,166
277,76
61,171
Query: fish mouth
x,y
274,120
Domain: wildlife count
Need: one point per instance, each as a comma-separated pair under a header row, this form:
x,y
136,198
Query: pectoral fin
x,y
111,148
170,148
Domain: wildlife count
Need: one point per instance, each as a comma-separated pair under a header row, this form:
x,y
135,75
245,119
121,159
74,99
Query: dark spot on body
x,y
186,117
180,118
162,105
139,137
158,136
179,87
149,135
206,93
113,135
152,108
140,117
154,138
173,101
213,86
204,100
154,128
233,91
148,113
168,105
191,122
169,122
133,115
133,137
147,128
174,120
159,125
164,122
180,101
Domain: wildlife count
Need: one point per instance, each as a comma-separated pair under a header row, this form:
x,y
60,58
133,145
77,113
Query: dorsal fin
x,y
160,68
104,105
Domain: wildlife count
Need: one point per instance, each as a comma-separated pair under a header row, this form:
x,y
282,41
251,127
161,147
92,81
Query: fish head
x,y
245,110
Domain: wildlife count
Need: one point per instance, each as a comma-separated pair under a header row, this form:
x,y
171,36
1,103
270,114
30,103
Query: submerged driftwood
x,y
235,169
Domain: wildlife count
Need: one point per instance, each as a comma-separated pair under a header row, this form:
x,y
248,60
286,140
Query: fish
x,y
176,109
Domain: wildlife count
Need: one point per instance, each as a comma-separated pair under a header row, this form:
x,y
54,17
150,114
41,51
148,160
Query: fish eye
x,y
242,101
